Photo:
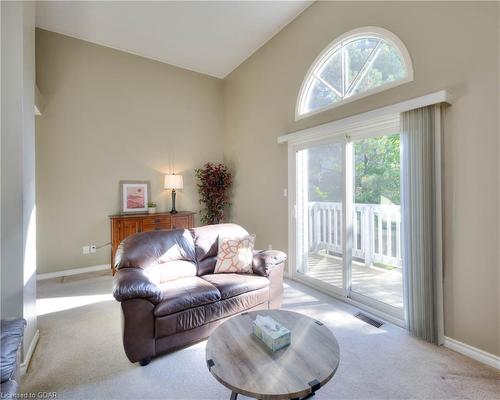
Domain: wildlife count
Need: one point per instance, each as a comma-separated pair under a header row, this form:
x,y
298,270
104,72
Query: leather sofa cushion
x,y
185,293
11,336
198,316
169,271
206,242
243,302
187,319
146,249
230,285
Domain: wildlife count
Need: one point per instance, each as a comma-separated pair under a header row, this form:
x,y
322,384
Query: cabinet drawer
x,y
156,227
157,219
181,222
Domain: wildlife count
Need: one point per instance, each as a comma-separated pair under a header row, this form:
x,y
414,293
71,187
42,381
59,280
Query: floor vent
x,y
369,320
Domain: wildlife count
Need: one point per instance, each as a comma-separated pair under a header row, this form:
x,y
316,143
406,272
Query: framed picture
x,y
134,196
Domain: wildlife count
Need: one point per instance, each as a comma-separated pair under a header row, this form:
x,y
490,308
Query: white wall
x,y
18,215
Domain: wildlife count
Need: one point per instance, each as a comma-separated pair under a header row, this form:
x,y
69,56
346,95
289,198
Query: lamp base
x,y
173,210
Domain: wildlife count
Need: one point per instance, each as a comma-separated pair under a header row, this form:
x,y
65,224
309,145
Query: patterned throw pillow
x,y
235,255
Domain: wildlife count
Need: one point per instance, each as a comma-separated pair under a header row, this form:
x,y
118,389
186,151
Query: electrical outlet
x,y
86,249
270,247
285,192
93,248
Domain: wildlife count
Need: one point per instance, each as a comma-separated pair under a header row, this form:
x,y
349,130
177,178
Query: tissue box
x,y
274,335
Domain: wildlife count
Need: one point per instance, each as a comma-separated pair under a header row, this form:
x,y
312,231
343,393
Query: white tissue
x,y
267,322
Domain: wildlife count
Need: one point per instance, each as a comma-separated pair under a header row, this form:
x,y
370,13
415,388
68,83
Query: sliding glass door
x,y
351,189
320,191
376,245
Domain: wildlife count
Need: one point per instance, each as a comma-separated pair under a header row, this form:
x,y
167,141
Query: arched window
x,y
355,65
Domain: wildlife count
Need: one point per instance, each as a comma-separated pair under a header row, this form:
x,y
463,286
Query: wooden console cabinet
x,y
123,225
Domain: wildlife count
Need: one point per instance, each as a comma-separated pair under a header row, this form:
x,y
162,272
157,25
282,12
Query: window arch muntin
x,y
337,44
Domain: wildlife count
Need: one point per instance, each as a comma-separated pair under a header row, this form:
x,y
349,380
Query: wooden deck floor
x,y
377,283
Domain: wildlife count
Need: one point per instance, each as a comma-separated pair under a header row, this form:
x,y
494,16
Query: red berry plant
x,y
214,181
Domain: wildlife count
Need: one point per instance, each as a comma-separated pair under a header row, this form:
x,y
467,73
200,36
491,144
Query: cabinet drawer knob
x,y
157,229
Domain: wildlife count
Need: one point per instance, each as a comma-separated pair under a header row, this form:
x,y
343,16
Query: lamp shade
x,y
173,182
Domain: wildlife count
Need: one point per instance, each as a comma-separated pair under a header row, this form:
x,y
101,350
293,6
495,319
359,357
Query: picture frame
x,y
134,196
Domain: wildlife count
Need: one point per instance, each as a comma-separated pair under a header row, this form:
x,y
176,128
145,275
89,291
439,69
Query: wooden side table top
x,y
241,362
147,214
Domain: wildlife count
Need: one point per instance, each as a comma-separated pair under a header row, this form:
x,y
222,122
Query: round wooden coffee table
x,y
241,362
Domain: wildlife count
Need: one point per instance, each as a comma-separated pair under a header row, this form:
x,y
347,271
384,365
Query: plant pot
x,y
151,210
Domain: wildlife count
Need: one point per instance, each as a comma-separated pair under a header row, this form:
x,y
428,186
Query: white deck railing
x,y
376,231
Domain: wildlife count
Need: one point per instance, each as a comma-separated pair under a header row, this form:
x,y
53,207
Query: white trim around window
x,y
379,116
371,31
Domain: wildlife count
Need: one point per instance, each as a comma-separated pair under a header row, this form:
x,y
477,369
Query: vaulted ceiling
x,y
211,37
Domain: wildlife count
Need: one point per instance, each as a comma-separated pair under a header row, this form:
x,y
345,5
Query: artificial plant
x,y
214,182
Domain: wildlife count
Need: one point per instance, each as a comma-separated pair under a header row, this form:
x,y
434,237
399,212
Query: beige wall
x,y
110,116
454,46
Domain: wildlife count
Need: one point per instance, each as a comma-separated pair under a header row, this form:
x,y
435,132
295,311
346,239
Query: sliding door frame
x,y
371,128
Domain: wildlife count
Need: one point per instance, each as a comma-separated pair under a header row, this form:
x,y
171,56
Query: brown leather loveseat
x,y
170,296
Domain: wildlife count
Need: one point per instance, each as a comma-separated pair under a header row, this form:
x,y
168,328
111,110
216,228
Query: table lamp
x,y
173,181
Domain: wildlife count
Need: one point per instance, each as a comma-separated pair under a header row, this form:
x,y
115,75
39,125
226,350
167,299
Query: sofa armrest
x,y
9,390
11,339
133,283
264,261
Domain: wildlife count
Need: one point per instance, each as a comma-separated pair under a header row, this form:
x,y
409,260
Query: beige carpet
x,y
80,354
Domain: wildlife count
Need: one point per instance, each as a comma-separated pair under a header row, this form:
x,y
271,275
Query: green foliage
x,y
214,181
369,63
358,53
376,171
325,173
387,67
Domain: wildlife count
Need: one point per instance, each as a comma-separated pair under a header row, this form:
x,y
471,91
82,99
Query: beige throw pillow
x,y
235,255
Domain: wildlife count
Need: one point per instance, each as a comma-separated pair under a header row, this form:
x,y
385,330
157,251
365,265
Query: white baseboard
x,y
472,352
26,363
74,271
